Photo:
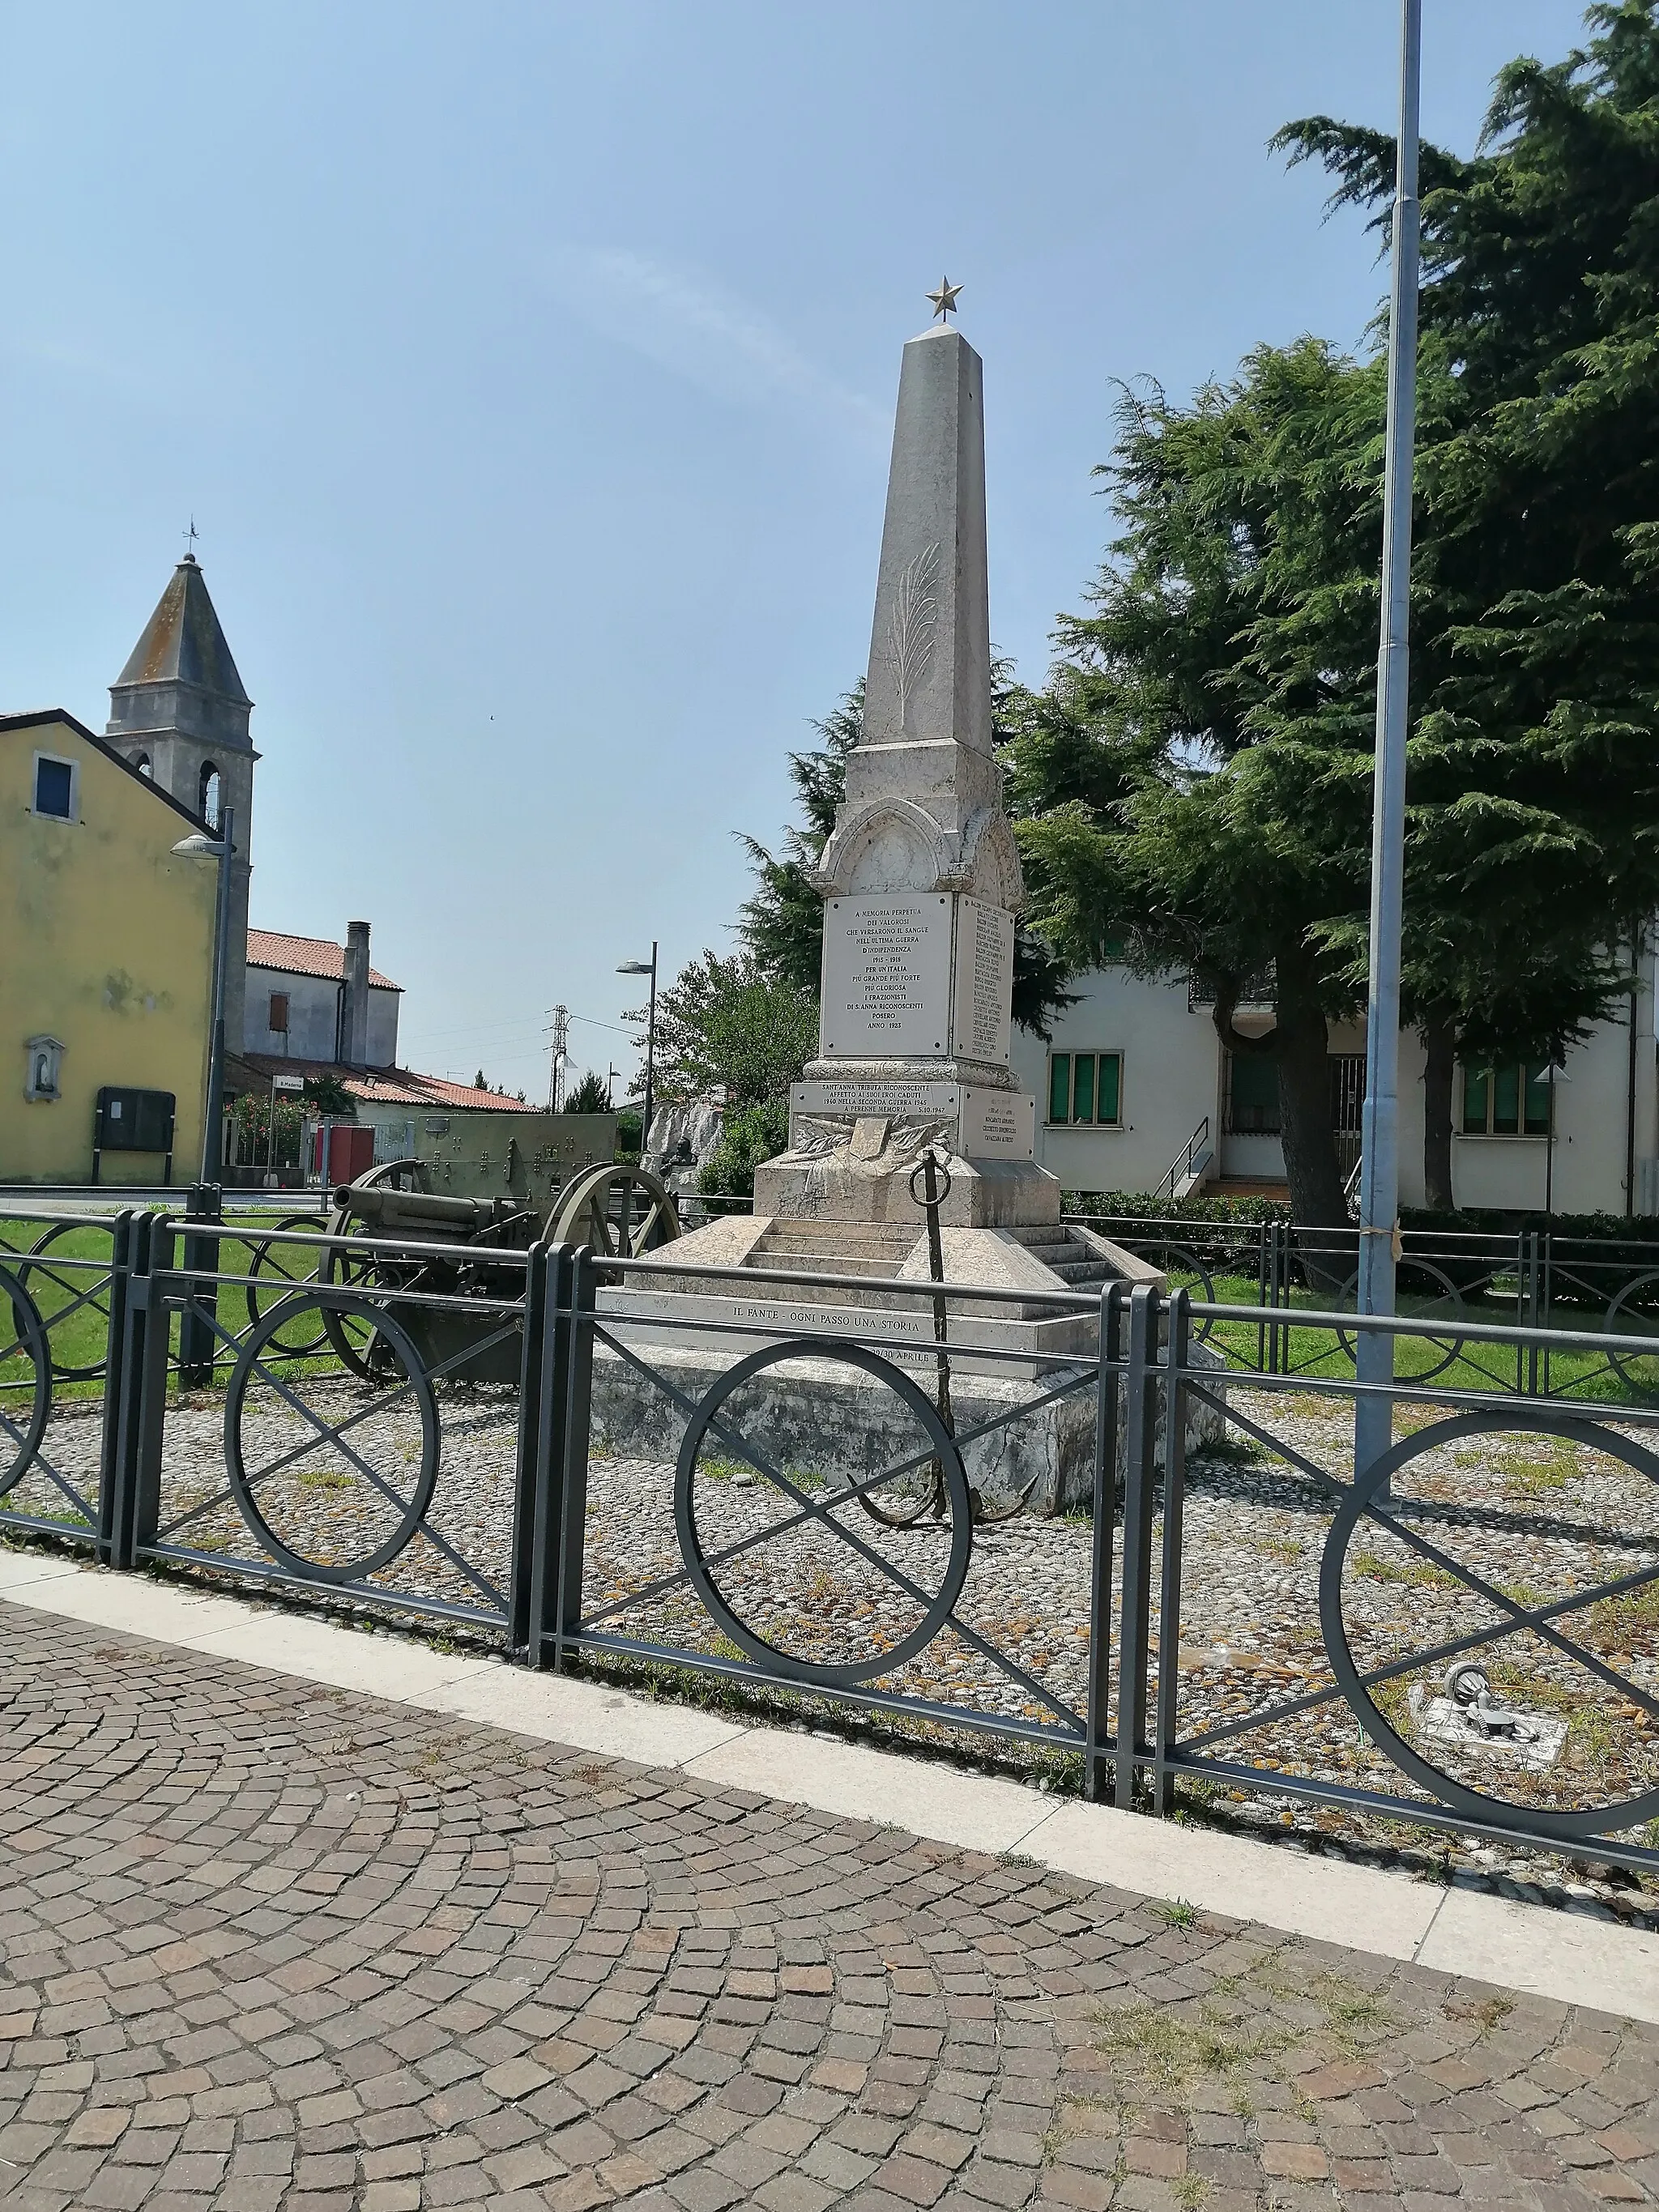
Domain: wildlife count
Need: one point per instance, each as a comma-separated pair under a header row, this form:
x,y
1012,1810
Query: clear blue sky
x,y
527,368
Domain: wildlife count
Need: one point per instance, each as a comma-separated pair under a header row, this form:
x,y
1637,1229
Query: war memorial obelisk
x,y
921,883
920,877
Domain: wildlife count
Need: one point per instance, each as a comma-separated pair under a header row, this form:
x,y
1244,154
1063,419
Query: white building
x,y
316,1008
1135,1071
300,1004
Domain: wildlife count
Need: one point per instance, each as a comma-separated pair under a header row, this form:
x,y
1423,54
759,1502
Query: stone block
x,y
846,1425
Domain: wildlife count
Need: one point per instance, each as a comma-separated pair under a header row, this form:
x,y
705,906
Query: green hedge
x,y
1138,1205
1471,1221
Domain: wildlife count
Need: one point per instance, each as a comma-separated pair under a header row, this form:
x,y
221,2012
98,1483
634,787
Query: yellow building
x,y
106,960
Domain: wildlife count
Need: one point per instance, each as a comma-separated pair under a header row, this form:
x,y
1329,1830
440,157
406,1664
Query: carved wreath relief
x,y
913,622
841,1150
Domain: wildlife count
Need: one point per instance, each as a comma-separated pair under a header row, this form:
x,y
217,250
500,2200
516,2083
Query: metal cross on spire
x,y
945,299
191,537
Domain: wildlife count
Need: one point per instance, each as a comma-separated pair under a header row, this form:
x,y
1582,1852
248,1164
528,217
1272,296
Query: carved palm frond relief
x,y
913,622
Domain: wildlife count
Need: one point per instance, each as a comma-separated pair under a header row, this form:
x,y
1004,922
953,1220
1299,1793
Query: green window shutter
x,y
1254,1085
1537,1106
1476,1089
1060,1086
1506,1100
1108,1103
1083,1088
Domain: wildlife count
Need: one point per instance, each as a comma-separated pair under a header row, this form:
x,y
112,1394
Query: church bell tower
x,y
179,714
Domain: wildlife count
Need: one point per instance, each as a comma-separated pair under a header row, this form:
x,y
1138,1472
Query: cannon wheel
x,y
616,1209
364,1271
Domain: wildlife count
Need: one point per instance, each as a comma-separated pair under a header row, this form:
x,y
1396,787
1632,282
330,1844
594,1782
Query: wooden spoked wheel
x,y
357,1343
616,1209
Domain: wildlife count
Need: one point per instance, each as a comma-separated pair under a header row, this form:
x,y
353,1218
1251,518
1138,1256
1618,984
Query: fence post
x,y
560,1512
1165,1718
520,1575
197,1342
115,1349
1535,1291
572,1514
135,1491
1263,1231
1096,1749
1140,1382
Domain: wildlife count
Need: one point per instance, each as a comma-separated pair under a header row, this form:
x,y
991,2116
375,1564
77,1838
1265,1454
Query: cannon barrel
x,y
420,1213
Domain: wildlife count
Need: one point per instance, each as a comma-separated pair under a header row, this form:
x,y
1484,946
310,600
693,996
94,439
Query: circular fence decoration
x,y
1185,1270
25,1380
62,1291
1424,1291
334,1481
767,1512
275,1271
1511,1703
1635,1310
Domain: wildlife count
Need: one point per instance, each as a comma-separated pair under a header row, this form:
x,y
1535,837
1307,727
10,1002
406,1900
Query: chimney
x,y
354,1026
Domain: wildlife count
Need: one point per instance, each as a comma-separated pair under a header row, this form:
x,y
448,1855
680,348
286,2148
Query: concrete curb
x,y
1562,1955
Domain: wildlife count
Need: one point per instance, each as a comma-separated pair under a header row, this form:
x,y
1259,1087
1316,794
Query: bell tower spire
x,y
179,713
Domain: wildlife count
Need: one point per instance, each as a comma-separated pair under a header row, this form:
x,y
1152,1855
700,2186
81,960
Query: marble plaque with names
x,y
998,1125
887,974
851,1101
981,1016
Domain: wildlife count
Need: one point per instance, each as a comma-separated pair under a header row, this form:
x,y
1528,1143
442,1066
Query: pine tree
x,y
1533,786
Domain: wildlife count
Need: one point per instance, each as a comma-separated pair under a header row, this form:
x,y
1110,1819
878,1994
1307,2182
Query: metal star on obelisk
x,y
945,299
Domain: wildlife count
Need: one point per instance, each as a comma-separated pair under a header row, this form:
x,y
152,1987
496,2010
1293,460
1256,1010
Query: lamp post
x,y
1379,1180
647,968
219,848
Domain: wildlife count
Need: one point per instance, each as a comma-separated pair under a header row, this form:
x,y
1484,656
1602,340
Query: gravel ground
x,y
1536,1516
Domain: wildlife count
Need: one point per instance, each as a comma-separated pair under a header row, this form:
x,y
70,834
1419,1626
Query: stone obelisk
x,y
921,877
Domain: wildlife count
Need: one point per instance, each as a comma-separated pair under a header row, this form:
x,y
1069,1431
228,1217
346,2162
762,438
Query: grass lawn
x,y
68,1282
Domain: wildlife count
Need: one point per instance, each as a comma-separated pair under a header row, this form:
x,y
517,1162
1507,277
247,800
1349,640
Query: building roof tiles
x,y
306,955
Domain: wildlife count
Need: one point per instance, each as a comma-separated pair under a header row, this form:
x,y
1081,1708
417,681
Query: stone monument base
x,y
995,1193
842,1424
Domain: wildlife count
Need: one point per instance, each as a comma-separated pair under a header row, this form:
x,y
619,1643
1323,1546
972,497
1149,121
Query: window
x,y
54,787
278,1022
1086,1087
210,792
1510,1101
1251,1095
143,766
45,1057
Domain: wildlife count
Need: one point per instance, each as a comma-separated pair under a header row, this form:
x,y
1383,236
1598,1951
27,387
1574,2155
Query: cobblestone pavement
x,y
268,1945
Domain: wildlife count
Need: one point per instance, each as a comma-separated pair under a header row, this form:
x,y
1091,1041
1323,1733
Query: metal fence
x,y
1108,1543
1302,1283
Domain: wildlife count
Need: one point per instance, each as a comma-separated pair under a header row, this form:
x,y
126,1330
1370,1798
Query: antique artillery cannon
x,y
382,1231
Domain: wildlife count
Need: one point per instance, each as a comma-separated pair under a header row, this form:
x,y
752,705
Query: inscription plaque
x,y
999,1125
887,974
851,1101
981,1021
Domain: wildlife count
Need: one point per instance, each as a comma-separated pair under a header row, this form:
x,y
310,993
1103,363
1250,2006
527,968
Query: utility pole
x,y
560,1034
1379,1182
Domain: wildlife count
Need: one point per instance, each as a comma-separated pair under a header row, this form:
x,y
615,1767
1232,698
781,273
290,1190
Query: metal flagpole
x,y
1379,1182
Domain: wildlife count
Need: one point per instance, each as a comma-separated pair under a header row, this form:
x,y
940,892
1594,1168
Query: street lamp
x,y
219,848
647,968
